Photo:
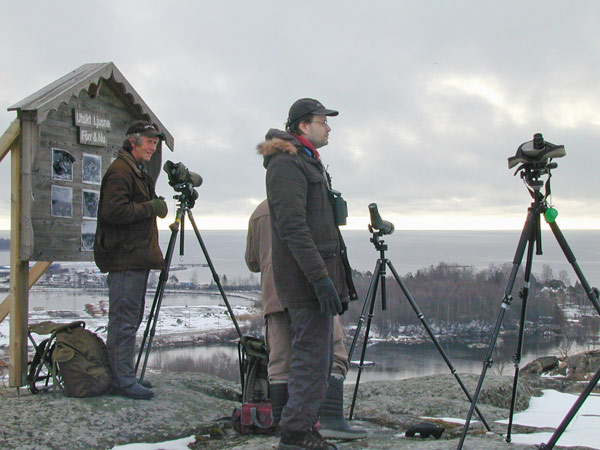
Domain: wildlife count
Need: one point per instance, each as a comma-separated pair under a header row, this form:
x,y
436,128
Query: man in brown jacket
x,y
126,246
278,337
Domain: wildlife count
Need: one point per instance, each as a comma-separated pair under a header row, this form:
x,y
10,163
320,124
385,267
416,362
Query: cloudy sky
x,y
433,95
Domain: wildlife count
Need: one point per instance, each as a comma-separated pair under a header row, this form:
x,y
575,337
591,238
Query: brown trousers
x,y
279,342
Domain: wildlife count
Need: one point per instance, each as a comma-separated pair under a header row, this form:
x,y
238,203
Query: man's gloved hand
x,y
159,207
328,297
345,306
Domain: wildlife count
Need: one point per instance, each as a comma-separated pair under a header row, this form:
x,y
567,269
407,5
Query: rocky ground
x,y
195,404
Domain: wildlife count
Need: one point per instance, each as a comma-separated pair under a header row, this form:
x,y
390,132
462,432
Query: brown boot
x,y
304,440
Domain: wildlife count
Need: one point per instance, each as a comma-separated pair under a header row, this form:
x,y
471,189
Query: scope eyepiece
x,y
538,141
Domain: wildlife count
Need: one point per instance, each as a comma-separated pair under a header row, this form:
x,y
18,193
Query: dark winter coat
x,y
306,243
126,232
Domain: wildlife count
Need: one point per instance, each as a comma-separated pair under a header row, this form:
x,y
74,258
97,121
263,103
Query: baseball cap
x,y
143,128
305,106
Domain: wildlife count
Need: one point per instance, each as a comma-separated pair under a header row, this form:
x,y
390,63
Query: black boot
x,y
333,423
279,397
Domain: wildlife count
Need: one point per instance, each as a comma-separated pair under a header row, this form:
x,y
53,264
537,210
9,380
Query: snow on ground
x,y
449,419
174,322
177,444
550,409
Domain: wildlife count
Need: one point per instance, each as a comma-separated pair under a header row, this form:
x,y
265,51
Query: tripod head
x,y
183,181
535,159
186,195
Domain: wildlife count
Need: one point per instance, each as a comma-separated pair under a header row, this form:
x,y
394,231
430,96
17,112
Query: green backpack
x,y
82,362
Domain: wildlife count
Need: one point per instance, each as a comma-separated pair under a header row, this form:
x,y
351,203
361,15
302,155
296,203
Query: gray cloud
x,y
433,96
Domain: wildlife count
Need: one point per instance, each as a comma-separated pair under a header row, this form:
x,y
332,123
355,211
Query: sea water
x,y
408,251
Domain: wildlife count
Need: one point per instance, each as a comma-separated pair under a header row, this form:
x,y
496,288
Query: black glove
x,y
159,207
345,306
328,297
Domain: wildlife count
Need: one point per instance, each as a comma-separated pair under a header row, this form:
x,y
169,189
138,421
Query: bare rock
x,y
540,366
196,404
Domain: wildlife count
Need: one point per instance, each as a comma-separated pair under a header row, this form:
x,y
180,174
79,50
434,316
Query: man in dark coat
x,y
278,337
126,246
310,266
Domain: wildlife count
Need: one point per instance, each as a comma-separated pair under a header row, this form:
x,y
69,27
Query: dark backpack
x,y
82,362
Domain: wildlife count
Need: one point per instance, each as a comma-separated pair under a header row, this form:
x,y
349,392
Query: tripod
x,y
531,237
378,228
184,206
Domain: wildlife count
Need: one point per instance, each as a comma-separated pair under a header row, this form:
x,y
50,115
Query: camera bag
x,y
253,418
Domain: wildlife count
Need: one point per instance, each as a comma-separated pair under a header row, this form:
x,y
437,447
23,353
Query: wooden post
x,y
19,269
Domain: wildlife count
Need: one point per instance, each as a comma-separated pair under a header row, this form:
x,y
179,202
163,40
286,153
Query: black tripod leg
x,y
369,300
361,319
591,293
565,422
214,273
506,300
533,238
160,289
435,340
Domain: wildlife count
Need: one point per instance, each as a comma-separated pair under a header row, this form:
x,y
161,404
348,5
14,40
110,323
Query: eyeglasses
x,y
323,123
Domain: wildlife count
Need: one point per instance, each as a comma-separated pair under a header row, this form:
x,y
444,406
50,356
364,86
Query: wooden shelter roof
x,y
89,77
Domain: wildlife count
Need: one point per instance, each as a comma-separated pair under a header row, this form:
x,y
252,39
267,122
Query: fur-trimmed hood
x,y
278,141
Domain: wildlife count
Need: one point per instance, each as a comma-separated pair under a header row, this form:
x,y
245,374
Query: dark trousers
x,y
312,343
126,300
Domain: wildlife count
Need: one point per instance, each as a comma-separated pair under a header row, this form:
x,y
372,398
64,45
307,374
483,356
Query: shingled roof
x,y
88,77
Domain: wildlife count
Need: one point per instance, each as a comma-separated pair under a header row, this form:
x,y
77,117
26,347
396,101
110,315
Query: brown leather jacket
x,y
307,244
126,231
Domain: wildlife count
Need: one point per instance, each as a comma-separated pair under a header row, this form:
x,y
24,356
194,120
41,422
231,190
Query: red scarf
x,y
308,145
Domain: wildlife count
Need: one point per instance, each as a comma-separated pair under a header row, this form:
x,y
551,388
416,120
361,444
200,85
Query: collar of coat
x,y
130,160
278,141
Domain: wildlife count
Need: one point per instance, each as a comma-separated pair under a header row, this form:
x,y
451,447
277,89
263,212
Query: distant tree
x,y
453,297
547,274
564,277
